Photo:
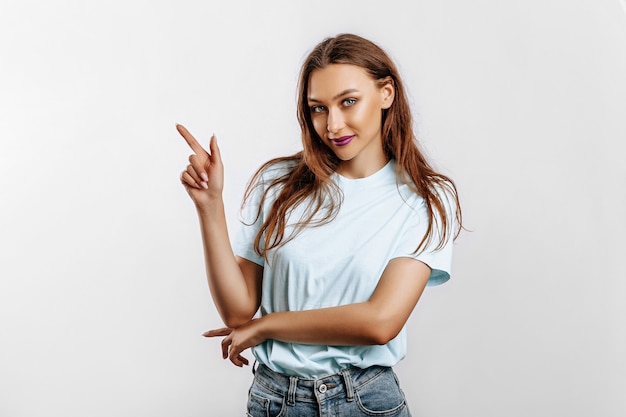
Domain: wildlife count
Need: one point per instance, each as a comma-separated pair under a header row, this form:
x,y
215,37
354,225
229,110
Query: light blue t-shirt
x,y
339,263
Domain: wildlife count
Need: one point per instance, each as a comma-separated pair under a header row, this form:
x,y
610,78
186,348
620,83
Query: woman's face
x,y
346,107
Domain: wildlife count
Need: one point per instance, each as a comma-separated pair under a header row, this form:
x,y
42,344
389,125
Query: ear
x,y
387,92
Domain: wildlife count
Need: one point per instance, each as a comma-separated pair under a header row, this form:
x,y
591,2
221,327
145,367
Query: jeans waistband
x,y
295,388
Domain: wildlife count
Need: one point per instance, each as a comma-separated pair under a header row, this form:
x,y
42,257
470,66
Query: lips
x,y
342,141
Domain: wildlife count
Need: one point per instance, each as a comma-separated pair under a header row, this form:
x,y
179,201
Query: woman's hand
x,y
204,176
237,340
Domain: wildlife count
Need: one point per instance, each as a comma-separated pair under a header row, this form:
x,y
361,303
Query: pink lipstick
x,y
342,141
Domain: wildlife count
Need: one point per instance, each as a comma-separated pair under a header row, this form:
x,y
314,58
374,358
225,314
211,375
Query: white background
x,y
102,292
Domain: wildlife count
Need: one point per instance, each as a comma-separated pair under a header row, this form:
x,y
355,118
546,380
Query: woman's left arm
x,y
373,322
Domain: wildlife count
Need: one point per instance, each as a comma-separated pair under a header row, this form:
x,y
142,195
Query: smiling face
x,y
346,107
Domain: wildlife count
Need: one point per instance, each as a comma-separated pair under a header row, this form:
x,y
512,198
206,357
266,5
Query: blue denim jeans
x,y
354,392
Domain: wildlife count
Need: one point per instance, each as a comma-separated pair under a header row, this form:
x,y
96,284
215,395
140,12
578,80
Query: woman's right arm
x,y
235,283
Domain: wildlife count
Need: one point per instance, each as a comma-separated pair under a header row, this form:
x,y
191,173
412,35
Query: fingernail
x,y
204,176
204,185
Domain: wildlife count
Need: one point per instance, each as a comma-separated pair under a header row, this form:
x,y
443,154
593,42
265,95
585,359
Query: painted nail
x,y
204,176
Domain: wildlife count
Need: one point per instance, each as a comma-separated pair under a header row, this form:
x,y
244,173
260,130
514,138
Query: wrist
x,y
213,204
264,327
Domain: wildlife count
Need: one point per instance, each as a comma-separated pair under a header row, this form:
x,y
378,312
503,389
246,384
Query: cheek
x,y
319,123
366,117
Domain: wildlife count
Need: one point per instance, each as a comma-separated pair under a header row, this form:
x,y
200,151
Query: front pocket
x,y
264,404
382,396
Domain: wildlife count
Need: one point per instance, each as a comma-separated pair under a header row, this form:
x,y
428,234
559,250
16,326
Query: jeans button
x,y
323,388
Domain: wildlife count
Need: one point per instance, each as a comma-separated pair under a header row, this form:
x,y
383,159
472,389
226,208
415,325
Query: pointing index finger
x,y
191,141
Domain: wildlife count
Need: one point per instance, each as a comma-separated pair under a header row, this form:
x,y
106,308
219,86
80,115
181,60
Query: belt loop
x,y
347,379
254,366
291,395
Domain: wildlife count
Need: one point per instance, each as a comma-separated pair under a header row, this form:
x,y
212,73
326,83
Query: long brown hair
x,y
310,169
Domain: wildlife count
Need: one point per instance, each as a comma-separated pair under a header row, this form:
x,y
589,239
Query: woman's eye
x,y
317,109
349,102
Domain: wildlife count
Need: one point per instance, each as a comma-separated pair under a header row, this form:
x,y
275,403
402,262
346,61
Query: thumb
x,y
224,331
216,156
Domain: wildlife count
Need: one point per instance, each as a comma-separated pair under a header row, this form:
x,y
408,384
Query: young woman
x,y
337,244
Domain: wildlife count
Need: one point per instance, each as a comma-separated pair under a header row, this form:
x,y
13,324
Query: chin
x,y
345,158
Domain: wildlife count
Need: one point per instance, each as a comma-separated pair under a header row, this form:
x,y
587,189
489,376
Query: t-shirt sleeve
x,y
251,218
243,243
439,260
250,223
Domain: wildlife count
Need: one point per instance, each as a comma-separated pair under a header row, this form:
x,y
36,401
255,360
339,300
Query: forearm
x,y
232,295
373,322
354,324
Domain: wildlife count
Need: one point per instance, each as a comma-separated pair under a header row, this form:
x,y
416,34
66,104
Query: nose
x,y
335,121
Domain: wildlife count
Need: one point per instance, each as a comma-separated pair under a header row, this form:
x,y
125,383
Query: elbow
x,y
237,316
382,332
382,324
382,336
234,321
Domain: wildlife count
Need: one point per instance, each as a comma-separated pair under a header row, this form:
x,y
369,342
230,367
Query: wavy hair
x,y
307,179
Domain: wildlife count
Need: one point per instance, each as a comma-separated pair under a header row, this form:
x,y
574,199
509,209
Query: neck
x,y
353,170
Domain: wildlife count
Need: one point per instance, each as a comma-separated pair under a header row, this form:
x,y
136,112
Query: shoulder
x,y
437,200
434,188
276,169
270,176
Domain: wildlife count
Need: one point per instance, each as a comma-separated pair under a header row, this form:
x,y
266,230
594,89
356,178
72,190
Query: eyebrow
x,y
343,93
